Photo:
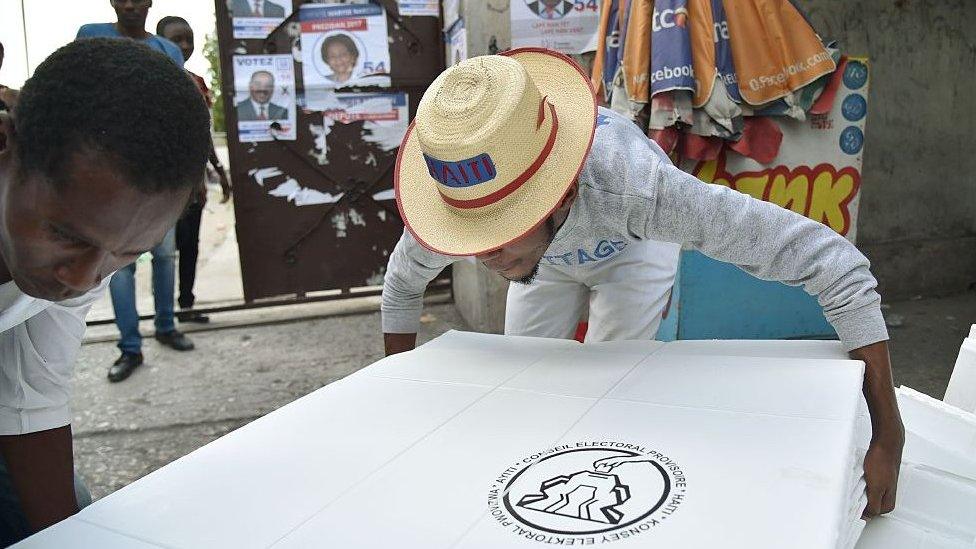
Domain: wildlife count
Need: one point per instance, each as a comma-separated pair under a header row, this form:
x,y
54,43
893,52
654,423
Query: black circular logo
x,y
588,489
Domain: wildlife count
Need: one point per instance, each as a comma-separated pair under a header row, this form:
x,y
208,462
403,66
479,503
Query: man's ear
x,y
570,196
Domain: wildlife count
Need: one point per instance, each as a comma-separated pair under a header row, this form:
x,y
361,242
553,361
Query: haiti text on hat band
x,y
484,129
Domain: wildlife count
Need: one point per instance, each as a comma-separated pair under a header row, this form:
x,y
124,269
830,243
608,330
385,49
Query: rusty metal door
x,y
287,249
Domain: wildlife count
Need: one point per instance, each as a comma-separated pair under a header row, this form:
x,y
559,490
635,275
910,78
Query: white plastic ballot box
x,y
482,441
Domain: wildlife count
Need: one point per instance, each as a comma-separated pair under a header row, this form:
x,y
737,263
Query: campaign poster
x,y
419,8
257,18
458,43
342,46
567,26
264,97
370,107
817,172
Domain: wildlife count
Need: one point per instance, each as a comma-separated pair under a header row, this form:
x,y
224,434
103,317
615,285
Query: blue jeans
x,y
123,290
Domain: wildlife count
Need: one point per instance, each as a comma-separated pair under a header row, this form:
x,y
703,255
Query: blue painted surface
x,y
716,300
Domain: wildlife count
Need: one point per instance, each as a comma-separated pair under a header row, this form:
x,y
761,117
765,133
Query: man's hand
x,y
224,186
883,460
399,343
881,466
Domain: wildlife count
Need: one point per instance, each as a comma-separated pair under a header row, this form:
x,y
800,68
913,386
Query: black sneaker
x,y
192,316
175,340
122,368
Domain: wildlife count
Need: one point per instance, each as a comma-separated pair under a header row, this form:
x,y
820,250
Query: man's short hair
x,y
119,99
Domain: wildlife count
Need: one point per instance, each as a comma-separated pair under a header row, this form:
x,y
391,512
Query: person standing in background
x,y
131,24
3,106
7,95
178,30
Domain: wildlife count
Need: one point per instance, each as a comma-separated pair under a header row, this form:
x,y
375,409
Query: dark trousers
x,y
188,245
13,523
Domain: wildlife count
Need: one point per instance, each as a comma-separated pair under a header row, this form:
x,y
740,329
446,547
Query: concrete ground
x,y
177,402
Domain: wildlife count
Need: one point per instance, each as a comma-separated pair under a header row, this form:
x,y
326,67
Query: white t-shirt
x,y
39,341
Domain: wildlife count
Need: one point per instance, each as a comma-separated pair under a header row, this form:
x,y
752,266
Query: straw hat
x,y
497,142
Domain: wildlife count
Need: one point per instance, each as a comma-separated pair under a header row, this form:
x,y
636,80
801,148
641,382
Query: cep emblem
x,y
463,173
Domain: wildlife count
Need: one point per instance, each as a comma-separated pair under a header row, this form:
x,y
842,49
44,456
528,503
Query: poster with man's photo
x,y
257,18
342,46
264,97
568,26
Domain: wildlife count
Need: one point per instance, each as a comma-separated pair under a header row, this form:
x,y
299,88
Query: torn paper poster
x,y
561,25
260,174
386,137
385,116
302,196
290,189
343,45
376,107
257,18
389,194
320,150
419,8
264,97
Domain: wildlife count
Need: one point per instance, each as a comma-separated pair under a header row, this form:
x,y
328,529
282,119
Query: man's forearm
x,y
41,469
879,391
882,462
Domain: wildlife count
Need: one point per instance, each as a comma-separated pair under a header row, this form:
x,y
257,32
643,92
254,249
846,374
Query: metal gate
x,y
291,249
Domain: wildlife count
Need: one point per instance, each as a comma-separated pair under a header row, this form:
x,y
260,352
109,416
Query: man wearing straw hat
x,y
509,160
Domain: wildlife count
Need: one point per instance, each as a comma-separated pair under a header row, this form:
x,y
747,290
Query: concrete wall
x,y
479,296
484,20
918,203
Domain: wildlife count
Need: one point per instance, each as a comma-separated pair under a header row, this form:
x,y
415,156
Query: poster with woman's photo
x,y
257,18
342,46
264,97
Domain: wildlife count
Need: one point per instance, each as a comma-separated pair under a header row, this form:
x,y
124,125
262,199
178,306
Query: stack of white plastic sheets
x,y
936,506
490,441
